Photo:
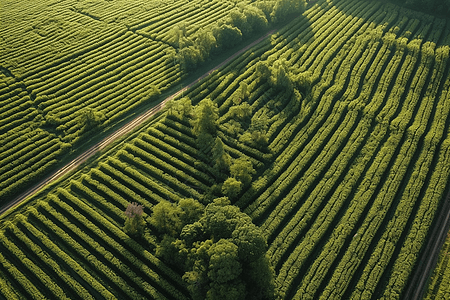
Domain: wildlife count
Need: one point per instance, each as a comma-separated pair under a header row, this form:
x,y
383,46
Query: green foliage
x,y
206,115
282,8
165,218
89,119
180,109
280,78
262,71
134,223
222,251
242,169
256,134
224,265
220,157
231,187
241,112
227,36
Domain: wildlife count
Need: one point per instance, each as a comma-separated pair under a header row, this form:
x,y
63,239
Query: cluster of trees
x,y
242,21
281,76
240,170
222,253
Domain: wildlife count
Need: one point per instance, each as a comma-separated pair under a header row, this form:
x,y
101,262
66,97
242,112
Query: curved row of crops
x,y
71,69
351,102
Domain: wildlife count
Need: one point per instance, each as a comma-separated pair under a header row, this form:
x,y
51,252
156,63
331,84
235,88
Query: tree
x,y
189,210
189,57
134,223
250,241
89,118
179,108
241,111
221,158
166,219
255,17
262,71
256,134
206,115
227,36
239,20
231,187
282,8
280,78
242,169
224,263
206,42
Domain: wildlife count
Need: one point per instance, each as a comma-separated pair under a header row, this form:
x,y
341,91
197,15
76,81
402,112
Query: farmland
x,y
61,83
342,115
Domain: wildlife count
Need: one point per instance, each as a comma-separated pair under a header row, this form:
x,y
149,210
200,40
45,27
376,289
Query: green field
x,y
343,113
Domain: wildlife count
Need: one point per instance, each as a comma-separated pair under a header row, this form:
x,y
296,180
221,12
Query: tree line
x,y
241,22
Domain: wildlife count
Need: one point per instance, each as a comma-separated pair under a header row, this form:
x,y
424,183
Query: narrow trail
x,y
127,128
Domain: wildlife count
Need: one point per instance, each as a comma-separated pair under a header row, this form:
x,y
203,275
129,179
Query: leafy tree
x,y
205,142
206,115
189,57
303,82
280,78
192,232
224,265
179,108
227,291
89,118
231,187
206,42
239,20
255,17
189,210
241,111
178,35
227,36
166,218
221,158
262,71
242,169
250,241
256,134
134,223
220,218
233,128
282,8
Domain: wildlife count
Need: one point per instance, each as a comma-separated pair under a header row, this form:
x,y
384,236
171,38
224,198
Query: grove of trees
x,y
221,252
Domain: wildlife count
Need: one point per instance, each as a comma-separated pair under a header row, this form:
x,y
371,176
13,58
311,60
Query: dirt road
x,y
121,131
428,258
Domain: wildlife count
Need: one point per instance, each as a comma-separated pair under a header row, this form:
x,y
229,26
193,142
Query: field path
x,y
430,255
127,128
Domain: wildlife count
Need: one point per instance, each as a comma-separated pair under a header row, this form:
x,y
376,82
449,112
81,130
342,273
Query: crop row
x,y
377,212
292,161
166,171
328,254
406,203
